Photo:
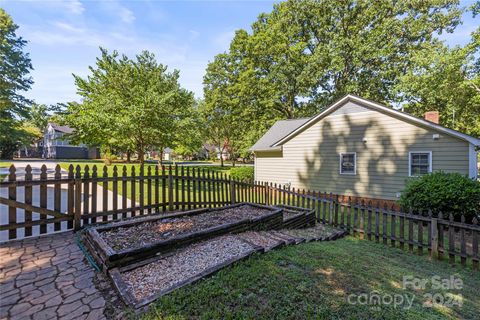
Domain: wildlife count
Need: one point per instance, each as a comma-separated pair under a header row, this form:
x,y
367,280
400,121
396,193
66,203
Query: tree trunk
x,y
141,154
233,156
128,156
221,158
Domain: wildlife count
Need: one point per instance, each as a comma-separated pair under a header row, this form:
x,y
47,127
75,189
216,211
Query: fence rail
x,y
84,196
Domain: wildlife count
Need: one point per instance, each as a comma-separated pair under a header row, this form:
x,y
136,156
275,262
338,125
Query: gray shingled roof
x,y
279,130
64,129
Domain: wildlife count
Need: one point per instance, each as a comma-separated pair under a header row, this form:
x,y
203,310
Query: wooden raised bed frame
x,y
107,257
304,218
127,297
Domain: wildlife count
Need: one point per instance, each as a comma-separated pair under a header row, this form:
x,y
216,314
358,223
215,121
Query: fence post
x,y
232,190
78,200
434,237
463,244
28,200
267,194
43,197
71,195
336,208
12,195
475,246
170,189
451,240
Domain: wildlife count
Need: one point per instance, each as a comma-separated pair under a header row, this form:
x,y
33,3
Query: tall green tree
x,y
132,104
215,126
15,66
306,54
190,135
321,50
447,80
225,106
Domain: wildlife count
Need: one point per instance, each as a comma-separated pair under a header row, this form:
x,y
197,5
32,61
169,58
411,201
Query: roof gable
x,y
374,107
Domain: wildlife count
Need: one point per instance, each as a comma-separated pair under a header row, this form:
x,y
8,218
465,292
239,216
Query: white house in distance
x,y
360,148
57,146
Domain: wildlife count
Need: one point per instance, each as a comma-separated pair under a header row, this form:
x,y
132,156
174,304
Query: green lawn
x,y
313,281
4,164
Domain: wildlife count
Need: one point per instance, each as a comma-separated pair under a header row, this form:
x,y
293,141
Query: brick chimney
x,y
432,116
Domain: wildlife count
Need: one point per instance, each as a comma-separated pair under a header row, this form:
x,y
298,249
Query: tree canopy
x,y
447,80
306,54
129,104
15,66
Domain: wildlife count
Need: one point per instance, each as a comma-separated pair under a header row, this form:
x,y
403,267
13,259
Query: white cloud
x,y
76,46
126,15
223,39
67,27
62,36
54,83
116,9
194,34
166,51
73,6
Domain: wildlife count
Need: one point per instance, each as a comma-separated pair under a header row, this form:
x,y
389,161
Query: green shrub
x,y
242,173
7,149
442,192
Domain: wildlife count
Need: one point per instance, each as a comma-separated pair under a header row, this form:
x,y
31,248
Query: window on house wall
x,y
348,163
419,163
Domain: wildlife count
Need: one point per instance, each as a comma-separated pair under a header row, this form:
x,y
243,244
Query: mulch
x,y
149,232
184,264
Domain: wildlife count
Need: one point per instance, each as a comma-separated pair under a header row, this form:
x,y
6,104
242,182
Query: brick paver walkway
x,y
47,278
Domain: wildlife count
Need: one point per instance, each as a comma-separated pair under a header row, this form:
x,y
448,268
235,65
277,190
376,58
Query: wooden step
x,y
291,239
261,239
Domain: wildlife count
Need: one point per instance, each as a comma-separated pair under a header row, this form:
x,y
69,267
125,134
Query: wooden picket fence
x,y
84,196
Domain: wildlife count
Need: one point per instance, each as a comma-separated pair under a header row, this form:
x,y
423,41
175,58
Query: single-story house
x,y
57,146
360,148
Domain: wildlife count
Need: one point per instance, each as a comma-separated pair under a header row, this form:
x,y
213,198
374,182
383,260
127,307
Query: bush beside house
x,y
443,193
242,173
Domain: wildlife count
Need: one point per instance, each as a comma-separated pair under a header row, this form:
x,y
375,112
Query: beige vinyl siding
x,y
311,158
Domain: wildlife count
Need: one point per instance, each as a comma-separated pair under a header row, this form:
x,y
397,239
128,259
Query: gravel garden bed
x,y
126,242
289,214
146,280
139,235
141,284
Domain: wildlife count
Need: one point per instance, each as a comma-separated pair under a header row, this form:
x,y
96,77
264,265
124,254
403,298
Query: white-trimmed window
x,y
419,163
348,163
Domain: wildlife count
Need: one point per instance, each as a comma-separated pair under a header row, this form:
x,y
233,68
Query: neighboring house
x,y
360,148
167,154
210,151
57,146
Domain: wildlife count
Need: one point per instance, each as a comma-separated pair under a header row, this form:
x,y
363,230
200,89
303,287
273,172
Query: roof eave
x,y
279,148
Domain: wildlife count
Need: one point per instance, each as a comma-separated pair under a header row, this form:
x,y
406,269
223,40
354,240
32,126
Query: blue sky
x,y
64,36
